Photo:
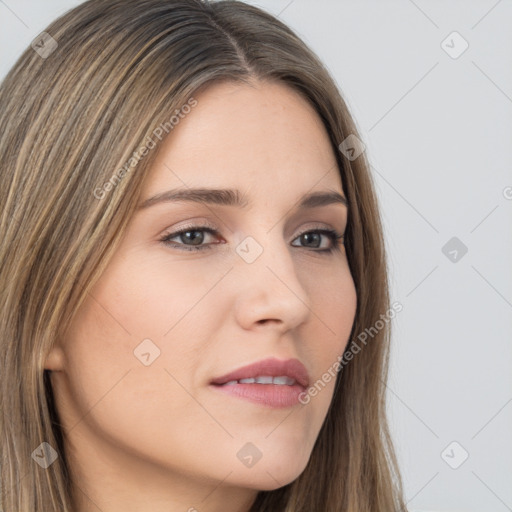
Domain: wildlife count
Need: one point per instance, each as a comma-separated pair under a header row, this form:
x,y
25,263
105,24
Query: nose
x,y
268,288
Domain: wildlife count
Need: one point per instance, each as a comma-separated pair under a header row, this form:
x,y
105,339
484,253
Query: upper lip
x,y
272,367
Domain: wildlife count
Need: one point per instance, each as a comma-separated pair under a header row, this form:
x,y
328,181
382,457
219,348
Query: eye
x,y
314,237
192,234
192,238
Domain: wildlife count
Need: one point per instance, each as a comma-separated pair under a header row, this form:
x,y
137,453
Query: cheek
x,y
149,297
138,312
112,395
334,304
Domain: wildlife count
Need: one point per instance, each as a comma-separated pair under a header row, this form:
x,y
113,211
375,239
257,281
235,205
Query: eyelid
x,y
191,224
318,226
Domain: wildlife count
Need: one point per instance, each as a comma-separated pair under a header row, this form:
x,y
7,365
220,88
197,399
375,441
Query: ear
x,y
55,359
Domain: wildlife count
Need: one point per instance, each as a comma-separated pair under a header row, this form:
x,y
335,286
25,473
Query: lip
x,y
269,395
272,367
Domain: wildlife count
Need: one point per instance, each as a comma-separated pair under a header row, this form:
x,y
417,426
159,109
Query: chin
x,y
271,476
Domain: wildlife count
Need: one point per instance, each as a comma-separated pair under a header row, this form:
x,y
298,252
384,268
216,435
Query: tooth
x,y
284,381
231,383
264,380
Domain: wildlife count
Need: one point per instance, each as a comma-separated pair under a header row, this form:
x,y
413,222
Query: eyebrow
x,y
233,197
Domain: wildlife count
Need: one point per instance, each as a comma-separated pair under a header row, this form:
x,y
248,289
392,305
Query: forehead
x,y
264,138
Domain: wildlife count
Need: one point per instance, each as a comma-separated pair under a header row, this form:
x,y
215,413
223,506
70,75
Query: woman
x,y
191,245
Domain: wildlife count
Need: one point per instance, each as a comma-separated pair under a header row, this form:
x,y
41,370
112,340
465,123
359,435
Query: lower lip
x,y
270,395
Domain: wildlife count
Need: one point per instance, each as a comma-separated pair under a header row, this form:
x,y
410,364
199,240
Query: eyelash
x,y
333,235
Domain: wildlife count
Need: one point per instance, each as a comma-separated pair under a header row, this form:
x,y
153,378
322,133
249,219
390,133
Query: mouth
x,y
272,382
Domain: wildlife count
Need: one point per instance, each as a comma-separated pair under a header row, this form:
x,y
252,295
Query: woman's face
x,y
132,376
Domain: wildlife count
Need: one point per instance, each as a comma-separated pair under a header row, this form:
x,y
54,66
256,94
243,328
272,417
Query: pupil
x,y
305,237
195,239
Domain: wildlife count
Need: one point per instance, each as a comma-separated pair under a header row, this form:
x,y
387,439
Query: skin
x,y
157,437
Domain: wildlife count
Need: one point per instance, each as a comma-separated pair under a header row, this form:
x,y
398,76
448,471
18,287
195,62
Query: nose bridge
x,y
269,287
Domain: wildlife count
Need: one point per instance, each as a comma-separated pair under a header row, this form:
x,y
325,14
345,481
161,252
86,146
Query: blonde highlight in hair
x,y
69,123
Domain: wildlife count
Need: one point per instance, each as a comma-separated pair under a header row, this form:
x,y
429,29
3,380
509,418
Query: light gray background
x,y
438,132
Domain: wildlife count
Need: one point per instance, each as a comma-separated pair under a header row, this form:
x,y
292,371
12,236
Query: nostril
x,y
266,320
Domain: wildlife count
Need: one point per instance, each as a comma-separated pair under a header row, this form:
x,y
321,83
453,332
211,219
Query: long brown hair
x,y
75,112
